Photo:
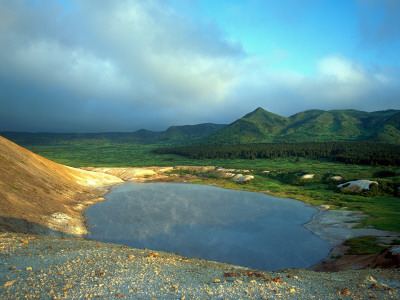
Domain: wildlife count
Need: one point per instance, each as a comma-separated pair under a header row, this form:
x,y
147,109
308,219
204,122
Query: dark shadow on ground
x,y
24,226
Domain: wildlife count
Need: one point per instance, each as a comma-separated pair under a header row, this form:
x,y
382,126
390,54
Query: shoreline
x,y
337,226
59,267
297,241
332,226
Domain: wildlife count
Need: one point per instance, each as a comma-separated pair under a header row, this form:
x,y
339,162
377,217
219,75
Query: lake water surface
x,y
243,228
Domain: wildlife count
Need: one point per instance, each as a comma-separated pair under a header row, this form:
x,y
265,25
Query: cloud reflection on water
x,y
208,222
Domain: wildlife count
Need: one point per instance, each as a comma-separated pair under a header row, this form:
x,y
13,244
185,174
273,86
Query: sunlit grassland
x,y
384,211
104,155
140,155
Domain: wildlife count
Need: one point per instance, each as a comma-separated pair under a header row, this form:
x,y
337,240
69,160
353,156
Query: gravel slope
x,y
39,195
53,267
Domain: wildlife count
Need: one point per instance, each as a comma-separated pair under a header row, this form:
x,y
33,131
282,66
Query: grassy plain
x,y
383,209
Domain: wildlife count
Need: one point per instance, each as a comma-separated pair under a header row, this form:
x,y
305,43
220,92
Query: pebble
x,y
80,269
9,283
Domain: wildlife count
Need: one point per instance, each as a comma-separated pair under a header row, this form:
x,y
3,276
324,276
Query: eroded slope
x,y
36,193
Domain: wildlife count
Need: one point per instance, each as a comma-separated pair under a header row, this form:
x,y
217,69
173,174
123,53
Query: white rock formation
x,y
307,176
357,185
395,251
131,173
237,176
245,178
227,175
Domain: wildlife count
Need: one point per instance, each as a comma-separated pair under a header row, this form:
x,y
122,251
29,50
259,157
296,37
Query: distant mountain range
x,y
311,125
174,134
256,127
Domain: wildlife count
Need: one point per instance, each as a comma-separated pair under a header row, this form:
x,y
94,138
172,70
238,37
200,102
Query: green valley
x,y
277,150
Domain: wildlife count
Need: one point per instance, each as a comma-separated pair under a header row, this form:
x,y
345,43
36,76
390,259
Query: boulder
x,y
202,169
237,176
307,176
245,178
227,175
357,185
222,170
323,207
336,178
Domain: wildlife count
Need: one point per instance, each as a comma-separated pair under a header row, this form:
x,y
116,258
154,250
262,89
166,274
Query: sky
x,y
107,66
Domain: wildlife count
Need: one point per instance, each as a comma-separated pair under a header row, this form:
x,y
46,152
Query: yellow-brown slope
x,y
37,194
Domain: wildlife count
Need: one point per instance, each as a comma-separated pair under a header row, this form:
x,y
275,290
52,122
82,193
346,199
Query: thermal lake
x,y
242,228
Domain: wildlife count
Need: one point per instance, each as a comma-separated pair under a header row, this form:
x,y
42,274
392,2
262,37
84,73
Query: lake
x,y
238,227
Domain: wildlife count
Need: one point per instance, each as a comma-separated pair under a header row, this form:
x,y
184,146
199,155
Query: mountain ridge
x,y
311,125
258,126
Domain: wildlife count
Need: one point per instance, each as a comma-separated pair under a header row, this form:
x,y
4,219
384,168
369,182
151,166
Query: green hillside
x,y
187,132
389,130
318,125
257,126
261,126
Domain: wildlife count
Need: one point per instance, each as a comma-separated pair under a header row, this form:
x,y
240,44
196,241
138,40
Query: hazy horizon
x,y
121,66
161,130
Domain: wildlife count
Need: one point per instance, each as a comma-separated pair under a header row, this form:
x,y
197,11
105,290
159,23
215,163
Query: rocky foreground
x,y
45,267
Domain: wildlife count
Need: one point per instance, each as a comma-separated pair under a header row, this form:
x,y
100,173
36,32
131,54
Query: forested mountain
x,y
259,126
311,125
174,134
188,132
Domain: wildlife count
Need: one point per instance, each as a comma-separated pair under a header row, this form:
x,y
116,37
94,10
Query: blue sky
x,y
89,66
301,32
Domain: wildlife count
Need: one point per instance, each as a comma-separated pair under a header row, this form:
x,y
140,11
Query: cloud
x,y
124,65
135,54
165,53
341,70
337,83
47,63
341,81
379,24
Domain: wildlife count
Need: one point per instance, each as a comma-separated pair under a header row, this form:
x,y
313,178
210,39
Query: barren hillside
x,y
37,194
